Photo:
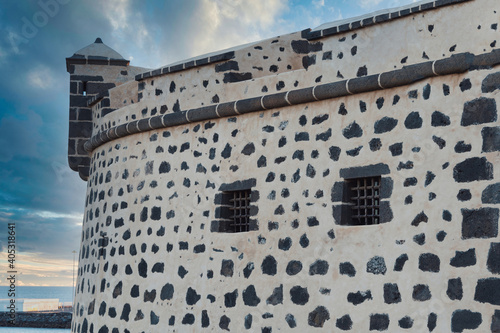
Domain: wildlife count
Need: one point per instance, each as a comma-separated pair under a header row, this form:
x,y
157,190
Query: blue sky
x,y
38,191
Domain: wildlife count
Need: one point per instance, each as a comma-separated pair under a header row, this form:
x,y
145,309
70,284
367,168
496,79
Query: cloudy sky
x,y
38,191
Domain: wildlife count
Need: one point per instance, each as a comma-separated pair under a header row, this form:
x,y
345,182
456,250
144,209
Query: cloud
x,y
41,77
318,3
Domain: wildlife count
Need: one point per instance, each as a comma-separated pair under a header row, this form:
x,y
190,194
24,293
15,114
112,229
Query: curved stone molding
x,y
458,63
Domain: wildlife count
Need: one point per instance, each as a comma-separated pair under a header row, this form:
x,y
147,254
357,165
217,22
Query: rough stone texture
x,y
479,111
161,196
465,319
488,291
479,223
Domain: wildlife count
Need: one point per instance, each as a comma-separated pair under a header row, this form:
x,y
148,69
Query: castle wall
x,y
154,256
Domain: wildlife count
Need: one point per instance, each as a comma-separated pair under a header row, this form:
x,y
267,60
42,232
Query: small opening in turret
x,y
84,88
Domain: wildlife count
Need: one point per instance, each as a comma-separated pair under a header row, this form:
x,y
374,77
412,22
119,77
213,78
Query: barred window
x,y
236,207
364,194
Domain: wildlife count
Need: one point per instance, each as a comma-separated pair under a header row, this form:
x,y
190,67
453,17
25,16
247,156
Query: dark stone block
x,y
86,78
473,169
462,147
396,149
359,297
376,265
413,120
493,262
294,267
439,119
236,77
491,83
318,317
429,262
299,295
386,124
227,268
230,299
379,322
455,290
432,321
276,297
305,47
465,319
346,268
400,262
365,171
464,195
308,61
479,111
353,130
406,322
488,291
491,139
411,181
480,223
201,114
269,265
250,296
334,153
227,66
391,293
419,239
319,267
439,141
421,293
495,322
344,323
290,320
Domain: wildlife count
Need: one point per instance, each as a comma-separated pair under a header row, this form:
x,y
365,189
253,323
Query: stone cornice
x,y
376,18
458,63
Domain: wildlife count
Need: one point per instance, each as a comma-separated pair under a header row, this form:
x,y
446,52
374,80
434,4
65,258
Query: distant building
x,y
345,178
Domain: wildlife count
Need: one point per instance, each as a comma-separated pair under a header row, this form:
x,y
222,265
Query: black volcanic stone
x,y
319,267
429,262
346,268
386,124
376,265
462,147
192,296
353,130
318,317
250,296
276,297
480,223
455,291
464,195
293,267
464,258
493,262
391,293
491,139
230,299
379,322
488,291
431,321
479,111
421,293
299,295
413,120
269,265
400,262
465,319
491,83
439,119
167,292
406,322
344,323
359,297
473,169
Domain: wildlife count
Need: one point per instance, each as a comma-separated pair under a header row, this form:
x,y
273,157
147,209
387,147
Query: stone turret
x,y
94,70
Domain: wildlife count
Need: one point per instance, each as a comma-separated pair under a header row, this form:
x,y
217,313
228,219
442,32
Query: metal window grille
x,y
365,197
240,211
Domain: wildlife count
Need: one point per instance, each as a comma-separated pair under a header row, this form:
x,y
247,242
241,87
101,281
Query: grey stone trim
x,y
455,64
359,23
365,171
186,65
78,59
